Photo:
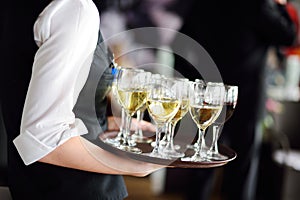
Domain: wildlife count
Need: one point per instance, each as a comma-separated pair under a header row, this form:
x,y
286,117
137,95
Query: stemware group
x,y
167,100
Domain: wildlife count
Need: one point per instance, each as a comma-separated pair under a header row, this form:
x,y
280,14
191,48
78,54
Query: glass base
x,y
162,144
141,138
172,153
195,158
195,146
216,156
114,141
130,149
155,154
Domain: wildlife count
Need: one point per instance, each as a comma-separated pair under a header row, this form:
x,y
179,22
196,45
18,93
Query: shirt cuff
x,y
31,149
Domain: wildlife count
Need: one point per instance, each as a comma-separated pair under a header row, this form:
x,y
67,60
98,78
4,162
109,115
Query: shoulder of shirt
x,y
43,23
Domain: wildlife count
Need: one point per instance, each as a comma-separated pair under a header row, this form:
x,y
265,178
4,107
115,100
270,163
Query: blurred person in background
x,y
121,15
237,35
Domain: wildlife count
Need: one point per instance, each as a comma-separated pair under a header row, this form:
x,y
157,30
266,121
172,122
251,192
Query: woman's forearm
x,y
78,153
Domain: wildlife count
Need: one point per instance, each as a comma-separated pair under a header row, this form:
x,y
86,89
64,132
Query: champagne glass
x,y
131,91
230,101
162,105
182,85
206,103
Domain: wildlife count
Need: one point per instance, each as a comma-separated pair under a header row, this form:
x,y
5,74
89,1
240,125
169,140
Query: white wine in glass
x,y
162,105
132,93
132,99
169,150
206,103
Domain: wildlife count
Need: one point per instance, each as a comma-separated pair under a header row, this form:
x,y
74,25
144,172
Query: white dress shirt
x,y
66,33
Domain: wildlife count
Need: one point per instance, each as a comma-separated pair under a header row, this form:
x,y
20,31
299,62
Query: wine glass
x,y
117,140
131,92
206,103
230,101
162,104
182,87
194,143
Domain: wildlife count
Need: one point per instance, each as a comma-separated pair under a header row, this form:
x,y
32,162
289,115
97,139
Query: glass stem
x,y
127,129
159,129
214,146
200,142
170,144
122,127
169,133
166,130
139,117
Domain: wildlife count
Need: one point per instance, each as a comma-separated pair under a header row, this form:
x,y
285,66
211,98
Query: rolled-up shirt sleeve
x,y
66,33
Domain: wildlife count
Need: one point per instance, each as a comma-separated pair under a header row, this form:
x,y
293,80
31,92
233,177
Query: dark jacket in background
x,y
237,35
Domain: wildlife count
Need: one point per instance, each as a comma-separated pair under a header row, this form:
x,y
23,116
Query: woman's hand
x,y
114,124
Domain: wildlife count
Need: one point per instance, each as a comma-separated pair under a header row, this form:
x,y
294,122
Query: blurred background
x,y
273,172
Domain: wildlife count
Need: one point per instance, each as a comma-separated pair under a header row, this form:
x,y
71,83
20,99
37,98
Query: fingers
x,y
114,124
143,125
